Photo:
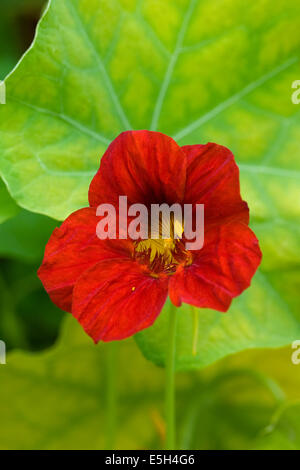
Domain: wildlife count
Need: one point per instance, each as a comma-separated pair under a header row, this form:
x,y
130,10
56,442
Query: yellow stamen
x,y
162,247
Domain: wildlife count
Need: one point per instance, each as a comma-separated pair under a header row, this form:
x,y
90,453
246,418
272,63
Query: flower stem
x,y
111,394
196,329
170,382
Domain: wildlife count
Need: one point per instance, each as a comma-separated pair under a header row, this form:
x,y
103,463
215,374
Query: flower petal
x,y
220,271
213,180
73,248
147,167
117,298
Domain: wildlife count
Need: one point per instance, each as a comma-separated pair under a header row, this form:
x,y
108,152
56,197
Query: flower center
x,y
160,254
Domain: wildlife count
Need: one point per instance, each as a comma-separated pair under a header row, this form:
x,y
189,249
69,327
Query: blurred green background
x,y
53,389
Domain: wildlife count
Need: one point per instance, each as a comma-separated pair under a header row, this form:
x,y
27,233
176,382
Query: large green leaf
x,y
266,315
199,71
203,70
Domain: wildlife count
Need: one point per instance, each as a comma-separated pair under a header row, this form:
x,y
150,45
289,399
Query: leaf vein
x,y
101,67
233,99
172,63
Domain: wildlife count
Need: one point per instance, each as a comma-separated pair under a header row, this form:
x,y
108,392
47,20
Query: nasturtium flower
x,y
115,288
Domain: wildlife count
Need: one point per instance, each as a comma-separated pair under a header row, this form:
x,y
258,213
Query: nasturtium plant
x,y
117,286
97,68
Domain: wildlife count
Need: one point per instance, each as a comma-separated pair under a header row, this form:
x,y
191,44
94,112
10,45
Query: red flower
x,y
116,288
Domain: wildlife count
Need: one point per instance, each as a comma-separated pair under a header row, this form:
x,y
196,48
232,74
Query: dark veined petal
x,y
147,167
220,271
213,180
73,248
117,298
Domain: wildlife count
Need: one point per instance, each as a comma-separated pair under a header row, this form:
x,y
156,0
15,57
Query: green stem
x,y
196,329
111,394
170,382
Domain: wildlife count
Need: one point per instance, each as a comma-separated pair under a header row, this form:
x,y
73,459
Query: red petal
x,y
220,271
73,248
117,298
147,167
213,180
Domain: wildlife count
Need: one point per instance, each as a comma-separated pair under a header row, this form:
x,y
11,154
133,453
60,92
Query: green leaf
x,y
199,71
25,236
274,363
260,318
198,79
28,320
8,208
228,412
283,433
239,400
